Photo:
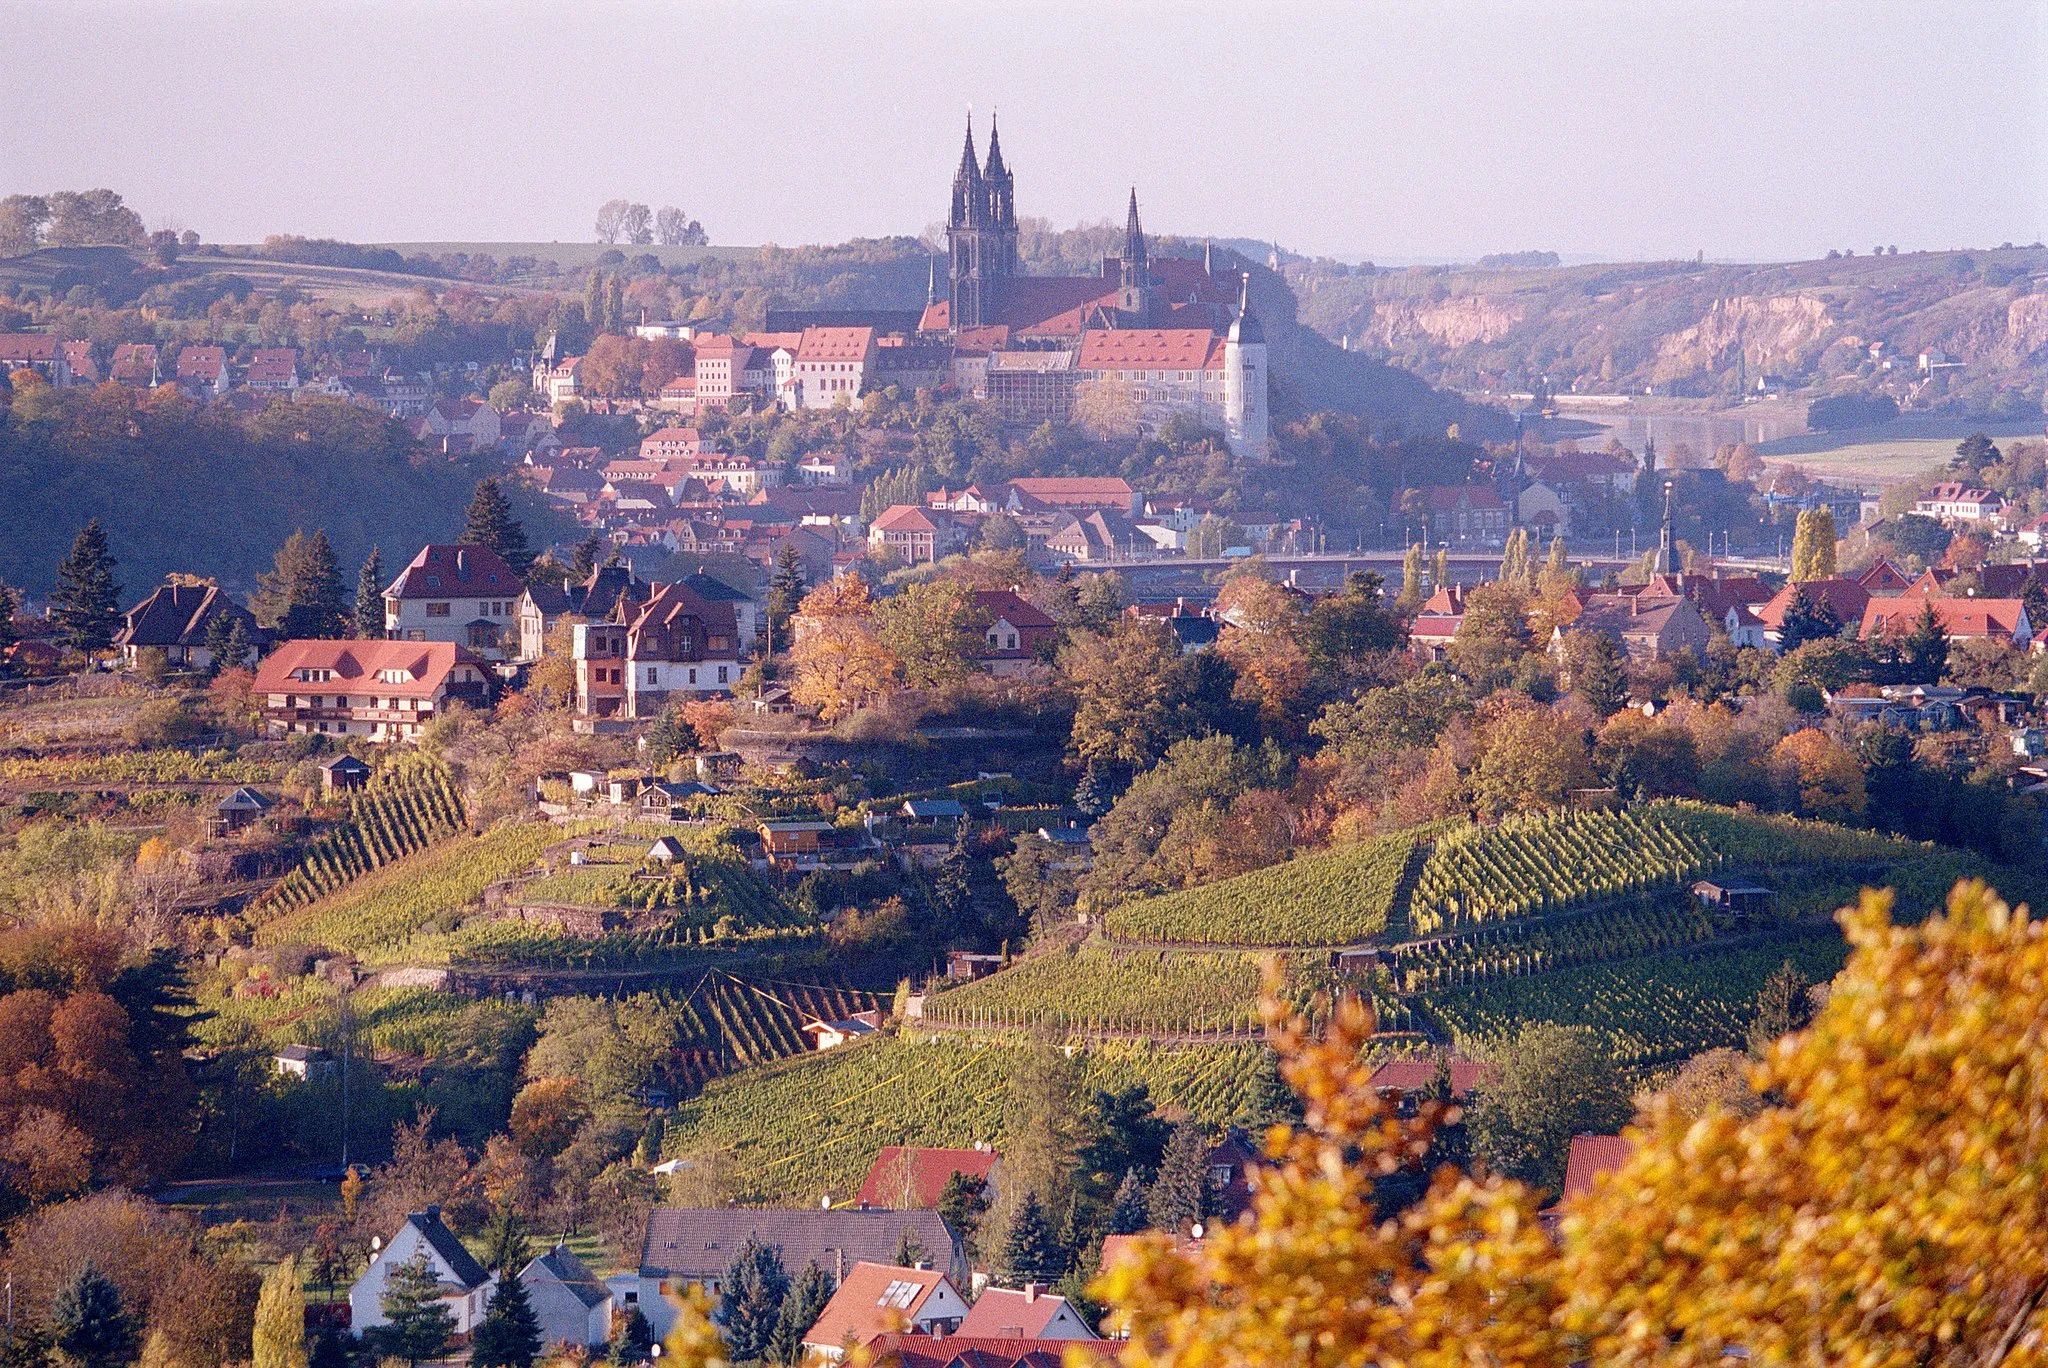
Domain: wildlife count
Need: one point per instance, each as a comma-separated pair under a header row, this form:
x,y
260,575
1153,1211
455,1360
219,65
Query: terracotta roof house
x,y
1075,493
976,1351
906,1176
693,1246
1032,1313
378,690
1647,629
1410,1077
80,361
1846,597
832,365
273,369
1436,624
916,534
1978,618
675,642
203,370
457,593
135,366
670,442
543,605
1883,579
1956,502
1591,1156
176,618
875,1299
1017,634
38,352
465,1286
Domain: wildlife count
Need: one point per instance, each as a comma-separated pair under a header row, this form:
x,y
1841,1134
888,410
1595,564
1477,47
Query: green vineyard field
x,y
406,807
1335,897
808,1128
1096,987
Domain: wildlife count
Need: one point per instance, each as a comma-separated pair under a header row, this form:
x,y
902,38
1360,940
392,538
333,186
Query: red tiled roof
x,y
1077,491
904,518
930,1169
1959,617
861,1309
1414,1075
201,363
455,571
835,344
1591,1156
1845,596
425,665
40,348
1000,1311
1012,607
981,1351
1149,349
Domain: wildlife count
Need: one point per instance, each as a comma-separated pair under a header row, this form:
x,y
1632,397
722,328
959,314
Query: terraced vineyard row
x,y
811,1127
1336,897
1097,988
711,882
1655,1009
1515,949
1531,865
407,806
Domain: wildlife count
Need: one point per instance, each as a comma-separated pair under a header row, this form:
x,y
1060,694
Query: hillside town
x,y
1348,789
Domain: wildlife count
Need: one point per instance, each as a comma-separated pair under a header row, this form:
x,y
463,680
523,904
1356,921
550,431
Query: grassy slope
x,y
1335,897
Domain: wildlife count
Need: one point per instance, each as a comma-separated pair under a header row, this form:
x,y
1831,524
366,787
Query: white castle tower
x,y
1244,380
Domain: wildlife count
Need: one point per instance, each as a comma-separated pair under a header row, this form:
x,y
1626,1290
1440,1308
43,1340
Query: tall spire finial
x,y
1244,293
1209,256
969,166
1134,235
931,281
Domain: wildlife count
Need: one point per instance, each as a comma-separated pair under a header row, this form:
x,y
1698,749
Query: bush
x,y
162,722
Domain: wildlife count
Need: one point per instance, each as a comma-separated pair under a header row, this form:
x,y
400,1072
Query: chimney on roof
x,y
1031,1291
839,1265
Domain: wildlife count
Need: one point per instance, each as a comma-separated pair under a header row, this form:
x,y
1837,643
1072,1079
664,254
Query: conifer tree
x,y
370,597
240,647
1128,1213
87,598
420,1322
750,1304
801,1308
280,1337
89,1328
786,587
635,1342
1031,1252
220,630
329,1351
584,561
505,1246
509,1335
489,522
10,604
1175,1202
303,596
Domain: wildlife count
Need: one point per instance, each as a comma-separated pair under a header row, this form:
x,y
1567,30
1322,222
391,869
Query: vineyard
x,y
1531,865
729,1023
1098,988
713,882
811,1127
408,805
135,767
1336,897
380,914
1656,1008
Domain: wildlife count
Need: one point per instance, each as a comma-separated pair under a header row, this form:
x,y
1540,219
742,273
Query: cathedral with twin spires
x,y
1171,333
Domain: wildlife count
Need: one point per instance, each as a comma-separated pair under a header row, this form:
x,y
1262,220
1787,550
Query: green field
x,y
1897,451
1336,897
1099,987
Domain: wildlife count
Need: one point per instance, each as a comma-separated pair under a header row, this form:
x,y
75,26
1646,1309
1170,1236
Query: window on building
x,y
693,677
437,610
650,674
723,673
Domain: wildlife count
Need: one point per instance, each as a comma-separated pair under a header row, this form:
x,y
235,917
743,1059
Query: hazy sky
x,y
1431,129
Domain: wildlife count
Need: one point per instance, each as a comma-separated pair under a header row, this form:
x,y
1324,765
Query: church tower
x,y
1134,290
1667,550
1245,422
981,233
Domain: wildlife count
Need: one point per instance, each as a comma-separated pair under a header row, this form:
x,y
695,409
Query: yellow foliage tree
x,y
1829,778
840,666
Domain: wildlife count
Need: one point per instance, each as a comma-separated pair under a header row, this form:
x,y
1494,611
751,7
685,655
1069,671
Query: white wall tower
x,y
1245,422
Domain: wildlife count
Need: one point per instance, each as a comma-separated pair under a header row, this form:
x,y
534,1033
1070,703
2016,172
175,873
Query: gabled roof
x,y
1883,577
980,1351
243,799
1591,1156
1149,349
40,348
561,1265
1076,491
834,344
1620,615
1414,1075
687,1242
1013,608
448,1249
1959,617
904,518
423,665
1010,1314
1845,596
201,363
177,615
873,1299
928,1170
455,570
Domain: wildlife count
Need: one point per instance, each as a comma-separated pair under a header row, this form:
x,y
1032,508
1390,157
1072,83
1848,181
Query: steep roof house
x,y
457,593
874,1299
572,1306
464,1284
176,618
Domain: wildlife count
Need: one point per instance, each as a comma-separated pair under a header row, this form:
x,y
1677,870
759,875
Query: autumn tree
x,y
932,629
280,1337
840,666
1530,758
87,599
547,1113
1123,681
1547,1084
1824,774
1493,635
1264,625
1813,545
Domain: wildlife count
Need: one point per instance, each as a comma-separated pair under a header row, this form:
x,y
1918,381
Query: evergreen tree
x,y
1093,795
489,522
910,1250
669,737
240,647
1175,1202
1924,647
1031,1253
786,587
10,604
89,1328
962,1204
1599,671
584,562
593,300
952,894
1128,1213
635,1343
329,1349
801,1308
220,630
505,1246
420,1322
1782,1006
750,1304
87,598
303,596
1808,617
370,597
509,1335
280,1337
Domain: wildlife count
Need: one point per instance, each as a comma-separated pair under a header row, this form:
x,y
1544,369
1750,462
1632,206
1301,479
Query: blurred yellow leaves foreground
x,y
1888,1208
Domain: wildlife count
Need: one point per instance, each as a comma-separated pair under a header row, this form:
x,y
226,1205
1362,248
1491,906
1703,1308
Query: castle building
x,y
1161,335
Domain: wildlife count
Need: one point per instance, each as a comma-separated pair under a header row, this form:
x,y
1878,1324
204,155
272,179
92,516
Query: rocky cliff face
x,y
1771,334
1456,322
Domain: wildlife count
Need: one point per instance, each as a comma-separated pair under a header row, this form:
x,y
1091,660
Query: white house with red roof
x,y
1027,1313
676,642
203,370
832,365
377,690
917,535
875,1299
457,593
1962,618
1952,501
1019,634
463,425
671,443
273,370
38,352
